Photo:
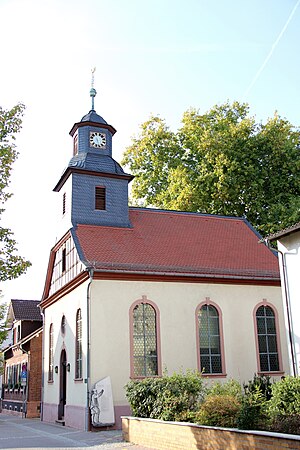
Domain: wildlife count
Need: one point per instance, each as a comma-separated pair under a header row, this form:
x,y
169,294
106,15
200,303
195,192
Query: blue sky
x,y
151,57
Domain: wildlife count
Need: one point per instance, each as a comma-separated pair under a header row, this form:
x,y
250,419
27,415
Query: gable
x,y
64,265
20,309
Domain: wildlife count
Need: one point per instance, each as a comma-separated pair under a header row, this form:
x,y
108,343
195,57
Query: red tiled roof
x,y
168,242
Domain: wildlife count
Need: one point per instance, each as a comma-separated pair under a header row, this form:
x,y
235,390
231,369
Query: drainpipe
x,y
43,365
88,298
287,305
27,385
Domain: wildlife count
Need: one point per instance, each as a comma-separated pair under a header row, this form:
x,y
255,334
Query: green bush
x,y
260,382
219,410
230,387
285,397
166,398
289,424
284,406
253,413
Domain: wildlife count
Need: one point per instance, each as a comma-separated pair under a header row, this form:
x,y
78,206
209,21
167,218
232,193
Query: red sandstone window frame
x,y
278,340
144,300
223,373
78,346
51,353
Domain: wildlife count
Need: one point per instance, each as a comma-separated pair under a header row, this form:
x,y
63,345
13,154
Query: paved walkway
x,y
19,433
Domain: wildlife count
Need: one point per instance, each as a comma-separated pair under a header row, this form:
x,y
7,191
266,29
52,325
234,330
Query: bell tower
x,y
93,187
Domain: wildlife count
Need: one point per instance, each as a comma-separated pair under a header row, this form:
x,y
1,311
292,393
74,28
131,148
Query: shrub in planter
x,y
284,406
289,424
219,410
262,383
285,397
253,413
230,387
142,395
166,398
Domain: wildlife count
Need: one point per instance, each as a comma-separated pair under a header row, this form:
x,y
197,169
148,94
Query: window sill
x,y
214,375
142,377
274,373
78,380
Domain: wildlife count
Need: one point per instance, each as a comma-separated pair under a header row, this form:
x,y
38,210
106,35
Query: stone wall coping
x,y
270,434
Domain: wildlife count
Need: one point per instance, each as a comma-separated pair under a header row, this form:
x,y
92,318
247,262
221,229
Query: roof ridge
x,y
174,211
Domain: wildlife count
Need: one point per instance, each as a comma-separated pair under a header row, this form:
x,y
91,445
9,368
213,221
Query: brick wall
x,y
35,377
182,436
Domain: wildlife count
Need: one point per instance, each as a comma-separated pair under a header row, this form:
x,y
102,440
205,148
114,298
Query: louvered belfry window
x,y
144,341
51,354
267,339
78,344
100,198
209,339
64,203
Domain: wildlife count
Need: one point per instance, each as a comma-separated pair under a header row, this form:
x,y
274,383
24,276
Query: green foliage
x,y
285,397
289,424
172,397
185,398
220,163
219,410
11,265
284,406
261,383
253,414
230,388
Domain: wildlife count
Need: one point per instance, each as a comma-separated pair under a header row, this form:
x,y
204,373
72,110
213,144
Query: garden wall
x,y
186,436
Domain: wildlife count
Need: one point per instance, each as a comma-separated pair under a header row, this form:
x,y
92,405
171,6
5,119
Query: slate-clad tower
x,y
94,187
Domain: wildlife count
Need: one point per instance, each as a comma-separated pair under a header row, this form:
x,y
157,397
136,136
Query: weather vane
x,y
93,91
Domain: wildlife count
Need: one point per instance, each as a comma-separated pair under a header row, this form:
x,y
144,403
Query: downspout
x,y
287,305
43,365
27,384
88,301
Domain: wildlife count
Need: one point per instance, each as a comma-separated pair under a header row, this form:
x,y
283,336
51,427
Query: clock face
x,y
97,140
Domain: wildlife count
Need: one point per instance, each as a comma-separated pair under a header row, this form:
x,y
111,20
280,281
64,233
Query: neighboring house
x,y
131,292
288,243
21,392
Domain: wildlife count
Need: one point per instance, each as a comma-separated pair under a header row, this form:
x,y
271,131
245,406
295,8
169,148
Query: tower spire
x,y
93,91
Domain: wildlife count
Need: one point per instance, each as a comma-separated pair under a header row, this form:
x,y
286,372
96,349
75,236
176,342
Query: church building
x,y
133,292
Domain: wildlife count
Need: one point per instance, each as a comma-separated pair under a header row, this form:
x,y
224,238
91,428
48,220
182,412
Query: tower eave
x,y
70,170
92,124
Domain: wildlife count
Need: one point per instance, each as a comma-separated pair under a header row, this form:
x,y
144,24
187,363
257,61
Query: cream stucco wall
x,y
68,306
177,303
290,246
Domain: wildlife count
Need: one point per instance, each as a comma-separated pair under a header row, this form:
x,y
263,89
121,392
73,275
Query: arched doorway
x,y
62,385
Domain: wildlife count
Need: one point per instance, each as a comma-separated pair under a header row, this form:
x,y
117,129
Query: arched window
x,y
209,338
78,345
51,353
144,345
266,335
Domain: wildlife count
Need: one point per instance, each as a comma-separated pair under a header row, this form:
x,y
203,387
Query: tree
x,y
220,162
11,265
3,331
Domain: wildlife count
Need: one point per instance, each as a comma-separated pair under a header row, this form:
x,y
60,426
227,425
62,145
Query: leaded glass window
x,y
78,371
209,339
51,353
144,341
267,339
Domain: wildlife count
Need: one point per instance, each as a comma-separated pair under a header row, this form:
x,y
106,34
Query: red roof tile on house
x,y
168,242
